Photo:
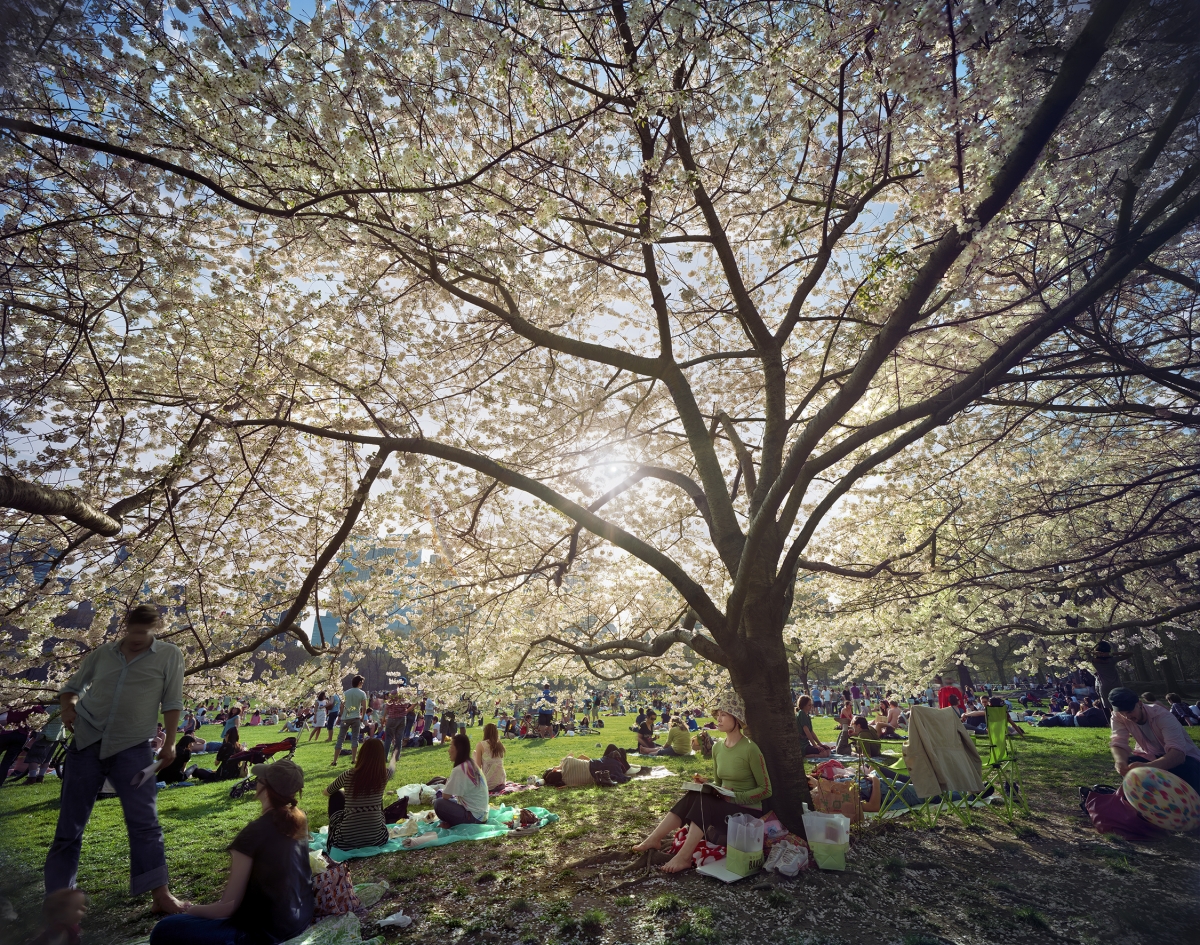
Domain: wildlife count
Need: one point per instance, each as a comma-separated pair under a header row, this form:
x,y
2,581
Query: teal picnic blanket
x,y
496,826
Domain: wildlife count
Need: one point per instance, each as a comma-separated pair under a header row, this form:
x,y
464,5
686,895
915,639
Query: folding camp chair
x,y
1003,773
942,760
889,770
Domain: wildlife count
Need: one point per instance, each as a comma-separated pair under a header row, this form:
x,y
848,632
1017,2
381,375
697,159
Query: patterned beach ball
x,y
1164,799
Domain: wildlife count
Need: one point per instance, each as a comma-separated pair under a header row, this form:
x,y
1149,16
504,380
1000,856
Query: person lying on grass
x,y
582,771
976,720
268,897
738,766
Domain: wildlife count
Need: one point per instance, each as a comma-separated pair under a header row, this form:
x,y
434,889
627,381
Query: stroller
x,y
259,754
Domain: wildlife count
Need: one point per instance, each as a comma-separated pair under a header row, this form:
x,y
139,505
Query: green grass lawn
x,y
1004,884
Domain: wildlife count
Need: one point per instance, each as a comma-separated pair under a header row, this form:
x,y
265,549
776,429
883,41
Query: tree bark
x,y
1168,672
42,500
760,675
1139,663
964,678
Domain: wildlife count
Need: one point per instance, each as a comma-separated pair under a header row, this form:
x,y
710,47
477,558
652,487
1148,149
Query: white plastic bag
x,y
417,794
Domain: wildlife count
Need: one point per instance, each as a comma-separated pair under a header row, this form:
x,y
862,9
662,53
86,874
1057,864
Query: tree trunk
x,y
1168,673
964,678
1139,663
761,677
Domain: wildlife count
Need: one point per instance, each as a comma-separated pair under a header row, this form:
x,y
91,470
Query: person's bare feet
x,y
678,863
646,845
166,904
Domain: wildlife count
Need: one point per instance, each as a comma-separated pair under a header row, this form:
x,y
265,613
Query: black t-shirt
x,y
174,771
1092,717
226,769
278,903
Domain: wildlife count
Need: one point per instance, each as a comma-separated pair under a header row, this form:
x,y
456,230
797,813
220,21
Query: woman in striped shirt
x,y
356,801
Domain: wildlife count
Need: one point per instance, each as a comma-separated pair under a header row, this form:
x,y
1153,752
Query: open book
x,y
709,788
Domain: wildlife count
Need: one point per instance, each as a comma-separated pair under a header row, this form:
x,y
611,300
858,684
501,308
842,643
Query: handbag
x,y
1112,813
396,811
334,894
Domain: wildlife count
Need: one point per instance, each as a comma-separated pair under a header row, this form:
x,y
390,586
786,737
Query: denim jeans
x,y
352,726
83,776
392,737
193,930
452,813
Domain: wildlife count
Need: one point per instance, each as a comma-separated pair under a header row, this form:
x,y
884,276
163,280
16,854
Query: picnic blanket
x,y
511,787
496,826
659,771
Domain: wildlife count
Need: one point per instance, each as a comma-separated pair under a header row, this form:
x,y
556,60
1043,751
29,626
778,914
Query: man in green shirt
x,y
111,706
354,700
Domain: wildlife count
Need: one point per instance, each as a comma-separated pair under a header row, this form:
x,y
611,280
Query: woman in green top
x,y
742,774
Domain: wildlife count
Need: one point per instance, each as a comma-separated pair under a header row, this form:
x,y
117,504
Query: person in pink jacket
x,y
1158,738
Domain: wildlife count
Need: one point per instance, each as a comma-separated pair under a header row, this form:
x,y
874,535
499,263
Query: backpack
x,y
706,744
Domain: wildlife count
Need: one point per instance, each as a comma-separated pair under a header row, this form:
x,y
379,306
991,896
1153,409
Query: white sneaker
x,y
774,856
792,858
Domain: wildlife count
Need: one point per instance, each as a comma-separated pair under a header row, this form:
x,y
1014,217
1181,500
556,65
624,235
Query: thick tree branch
x,y
22,126
287,622
635,649
42,500
692,592
1077,65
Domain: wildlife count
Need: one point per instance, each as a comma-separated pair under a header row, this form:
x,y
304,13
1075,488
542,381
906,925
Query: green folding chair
x,y
1002,772
924,813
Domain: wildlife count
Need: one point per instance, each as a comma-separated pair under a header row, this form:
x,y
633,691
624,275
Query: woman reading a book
x,y
741,785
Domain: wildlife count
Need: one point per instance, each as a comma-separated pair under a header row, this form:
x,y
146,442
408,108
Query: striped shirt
x,y
360,823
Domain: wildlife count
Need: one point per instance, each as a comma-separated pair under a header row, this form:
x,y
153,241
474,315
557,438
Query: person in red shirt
x,y
397,714
945,691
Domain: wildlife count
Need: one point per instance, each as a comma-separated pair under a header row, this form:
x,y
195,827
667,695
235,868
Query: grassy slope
x,y
454,887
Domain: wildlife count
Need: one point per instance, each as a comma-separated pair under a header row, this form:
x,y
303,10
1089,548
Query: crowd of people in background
x,y
124,706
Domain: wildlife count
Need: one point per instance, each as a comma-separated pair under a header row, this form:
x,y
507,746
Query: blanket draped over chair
x,y
940,754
